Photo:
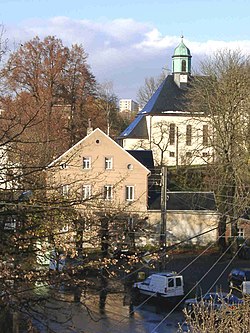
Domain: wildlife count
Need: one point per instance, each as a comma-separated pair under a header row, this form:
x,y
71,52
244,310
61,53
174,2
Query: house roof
x,y
182,201
145,157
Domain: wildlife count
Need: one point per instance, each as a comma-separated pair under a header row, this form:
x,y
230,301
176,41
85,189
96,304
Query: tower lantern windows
x,y
183,66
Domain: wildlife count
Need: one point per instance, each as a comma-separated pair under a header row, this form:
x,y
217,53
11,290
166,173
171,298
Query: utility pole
x,y
163,214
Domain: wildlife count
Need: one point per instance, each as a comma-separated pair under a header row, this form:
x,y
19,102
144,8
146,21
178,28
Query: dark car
x,y
237,276
213,301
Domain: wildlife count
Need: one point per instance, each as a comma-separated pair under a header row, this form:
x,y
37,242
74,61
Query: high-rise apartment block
x,y
128,105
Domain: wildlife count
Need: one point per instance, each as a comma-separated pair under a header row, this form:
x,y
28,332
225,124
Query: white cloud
x,y
211,46
122,50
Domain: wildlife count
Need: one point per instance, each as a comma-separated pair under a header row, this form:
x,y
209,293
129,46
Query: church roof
x,y
137,129
168,98
182,50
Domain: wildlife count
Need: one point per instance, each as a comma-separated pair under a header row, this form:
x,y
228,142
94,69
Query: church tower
x,y
181,64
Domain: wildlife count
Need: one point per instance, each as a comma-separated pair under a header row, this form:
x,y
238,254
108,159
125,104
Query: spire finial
x,y
182,37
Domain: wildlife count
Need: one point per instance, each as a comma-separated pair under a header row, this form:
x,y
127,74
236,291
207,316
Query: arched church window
x,y
188,135
183,66
172,134
205,135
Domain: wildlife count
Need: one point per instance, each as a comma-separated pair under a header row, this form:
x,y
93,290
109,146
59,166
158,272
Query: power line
x,y
154,330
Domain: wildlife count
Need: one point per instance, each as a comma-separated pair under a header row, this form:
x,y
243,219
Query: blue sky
x,y
130,40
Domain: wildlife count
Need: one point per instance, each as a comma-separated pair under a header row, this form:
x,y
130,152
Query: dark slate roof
x,y
179,201
168,97
137,129
145,157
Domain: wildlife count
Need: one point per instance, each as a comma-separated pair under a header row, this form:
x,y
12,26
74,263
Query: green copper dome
x,y
181,60
182,50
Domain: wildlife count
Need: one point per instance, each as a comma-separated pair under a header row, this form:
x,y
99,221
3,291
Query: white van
x,y
162,285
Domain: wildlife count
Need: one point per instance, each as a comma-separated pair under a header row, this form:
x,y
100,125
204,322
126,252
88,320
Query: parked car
x,y
237,276
213,301
167,286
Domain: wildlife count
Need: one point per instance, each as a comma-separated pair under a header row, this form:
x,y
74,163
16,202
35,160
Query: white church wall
x,y
179,151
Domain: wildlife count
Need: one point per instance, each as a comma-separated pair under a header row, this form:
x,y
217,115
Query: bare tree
x,y
147,90
222,93
107,115
46,84
203,318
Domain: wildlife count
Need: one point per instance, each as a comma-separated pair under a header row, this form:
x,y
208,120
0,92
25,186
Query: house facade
x,y
164,125
100,173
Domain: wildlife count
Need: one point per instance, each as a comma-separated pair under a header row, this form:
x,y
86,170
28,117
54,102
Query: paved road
x,y
116,318
209,271
205,272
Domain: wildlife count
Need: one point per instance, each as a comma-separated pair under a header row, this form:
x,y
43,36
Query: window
x,y
108,163
178,282
171,154
65,190
205,135
63,165
183,66
147,281
86,162
188,154
241,232
170,283
108,192
172,134
86,191
204,154
189,135
130,166
130,193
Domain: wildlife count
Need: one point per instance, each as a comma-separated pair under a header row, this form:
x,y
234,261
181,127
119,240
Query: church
x,y
166,126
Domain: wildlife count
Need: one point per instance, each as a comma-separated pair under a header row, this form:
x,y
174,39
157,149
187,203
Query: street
x,y
67,317
113,313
